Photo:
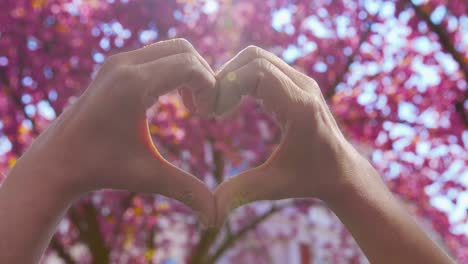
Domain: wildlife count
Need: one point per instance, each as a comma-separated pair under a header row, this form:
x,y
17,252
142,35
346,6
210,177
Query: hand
x,y
313,158
103,141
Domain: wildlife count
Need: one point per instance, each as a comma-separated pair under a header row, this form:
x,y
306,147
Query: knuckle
x,y
189,58
313,104
313,87
189,61
119,79
130,74
114,61
262,65
183,44
191,64
253,52
313,83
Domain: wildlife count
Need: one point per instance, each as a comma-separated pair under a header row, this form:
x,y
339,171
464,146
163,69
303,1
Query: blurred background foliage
x,y
394,73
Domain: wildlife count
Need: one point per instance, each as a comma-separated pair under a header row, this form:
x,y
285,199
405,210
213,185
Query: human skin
x,y
314,159
102,141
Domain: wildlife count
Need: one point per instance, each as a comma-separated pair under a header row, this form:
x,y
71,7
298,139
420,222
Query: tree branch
x,y
150,245
231,240
126,203
90,232
340,77
219,165
209,236
444,38
449,47
60,250
16,100
200,252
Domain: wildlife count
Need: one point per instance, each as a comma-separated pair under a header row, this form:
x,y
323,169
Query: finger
x,y
301,80
252,52
265,81
187,98
162,49
244,188
153,174
168,73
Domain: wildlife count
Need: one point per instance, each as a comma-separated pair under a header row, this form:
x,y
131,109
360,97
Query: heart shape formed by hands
x,y
116,131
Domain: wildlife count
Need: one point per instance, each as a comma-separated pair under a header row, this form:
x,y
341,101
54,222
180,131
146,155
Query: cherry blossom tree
x,y
393,72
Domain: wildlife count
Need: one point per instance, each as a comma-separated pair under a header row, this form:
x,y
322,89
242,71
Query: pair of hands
x,y
103,141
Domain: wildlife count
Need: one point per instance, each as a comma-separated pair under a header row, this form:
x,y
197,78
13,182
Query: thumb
x,y
156,175
249,186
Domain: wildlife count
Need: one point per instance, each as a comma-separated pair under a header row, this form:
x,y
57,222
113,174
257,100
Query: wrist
x,y
354,176
46,172
32,202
